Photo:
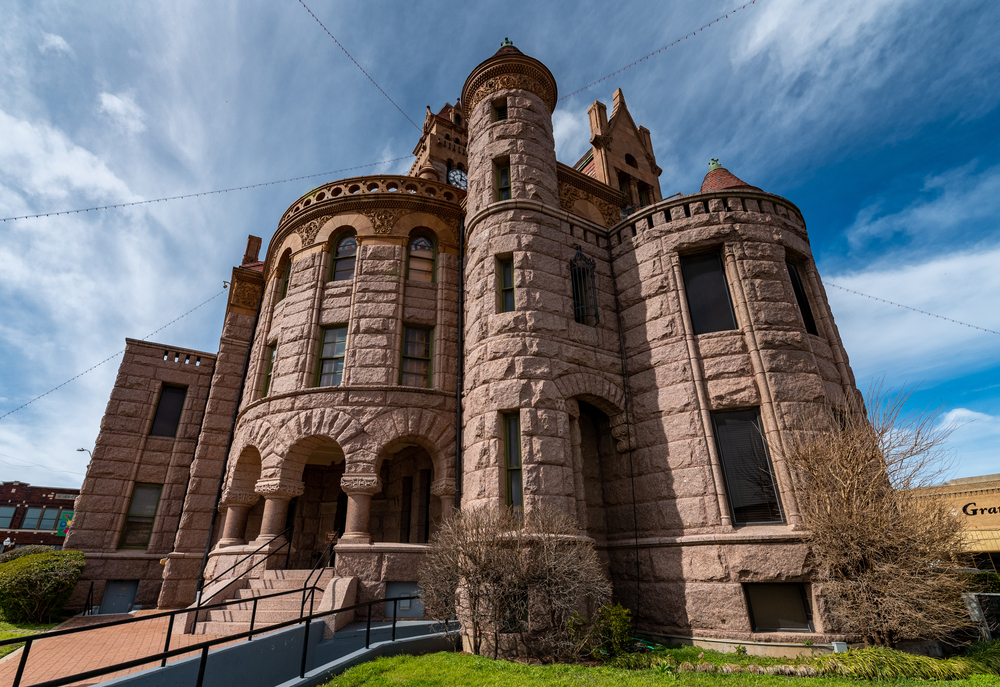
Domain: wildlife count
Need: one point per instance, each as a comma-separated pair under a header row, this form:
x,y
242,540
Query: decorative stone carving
x,y
620,431
384,220
443,488
521,72
568,195
246,294
279,489
602,140
309,230
361,484
232,497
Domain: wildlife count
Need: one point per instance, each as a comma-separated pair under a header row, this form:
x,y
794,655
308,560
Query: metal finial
x,y
506,43
714,164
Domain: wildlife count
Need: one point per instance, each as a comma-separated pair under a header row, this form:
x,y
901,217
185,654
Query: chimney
x,y
253,250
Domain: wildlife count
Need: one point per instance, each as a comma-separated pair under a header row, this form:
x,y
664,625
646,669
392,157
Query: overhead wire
x,y
113,356
322,26
39,465
204,193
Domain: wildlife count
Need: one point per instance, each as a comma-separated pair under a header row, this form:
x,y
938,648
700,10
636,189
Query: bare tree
x,y
514,581
889,557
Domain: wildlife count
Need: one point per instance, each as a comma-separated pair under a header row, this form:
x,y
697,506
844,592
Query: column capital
x,y
361,484
620,431
279,489
238,497
443,487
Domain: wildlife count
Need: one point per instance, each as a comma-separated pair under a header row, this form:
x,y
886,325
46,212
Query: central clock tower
x,y
441,152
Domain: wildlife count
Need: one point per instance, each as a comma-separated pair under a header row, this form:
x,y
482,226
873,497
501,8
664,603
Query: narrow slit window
x,y
499,110
416,367
286,276
581,269
420,263
512,460
506,273
746,467
707,293
344,258
168,411
138,528
270,355
503,180
800,297
330,368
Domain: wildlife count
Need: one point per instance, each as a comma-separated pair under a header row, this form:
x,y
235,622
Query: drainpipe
x,y
461,363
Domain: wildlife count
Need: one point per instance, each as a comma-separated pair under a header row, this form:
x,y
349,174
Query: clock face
x,y
457,178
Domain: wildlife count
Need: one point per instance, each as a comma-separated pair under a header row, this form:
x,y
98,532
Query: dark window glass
x,y
778,608
506,285
707,293
499,111
6,516
344,258
331,356
512,459
49,518
581,270
421,259
800,296
168,411
416,367
753,496
643,195
503,182
270,356
141,514
31,517
405,509
286,275
623,186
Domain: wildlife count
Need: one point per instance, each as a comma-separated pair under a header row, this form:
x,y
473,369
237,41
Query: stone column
x,y
359,489
276,495
444,489
238,505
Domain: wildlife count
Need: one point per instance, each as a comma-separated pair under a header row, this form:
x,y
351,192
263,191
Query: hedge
x,y
28,550
34,588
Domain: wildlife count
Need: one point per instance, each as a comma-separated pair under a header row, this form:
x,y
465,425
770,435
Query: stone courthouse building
x,y
494,328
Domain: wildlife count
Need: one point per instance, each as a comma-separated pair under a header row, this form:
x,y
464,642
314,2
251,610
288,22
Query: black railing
x,y
88,605
203,647
327,554
199,601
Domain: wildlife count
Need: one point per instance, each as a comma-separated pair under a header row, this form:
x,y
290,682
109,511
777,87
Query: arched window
x,y
344,256
420,263
630,161
284,275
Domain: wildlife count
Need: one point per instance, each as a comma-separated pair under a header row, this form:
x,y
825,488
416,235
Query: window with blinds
x,y
800,297
707,293
746,466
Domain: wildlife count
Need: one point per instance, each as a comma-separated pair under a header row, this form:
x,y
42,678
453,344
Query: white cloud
x,y
50,42
975,441
571,129
127,116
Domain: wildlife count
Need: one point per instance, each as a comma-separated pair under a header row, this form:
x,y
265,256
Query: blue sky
x,y
880,119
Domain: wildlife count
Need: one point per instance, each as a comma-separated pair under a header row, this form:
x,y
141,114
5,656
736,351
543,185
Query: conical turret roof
x,y
719,178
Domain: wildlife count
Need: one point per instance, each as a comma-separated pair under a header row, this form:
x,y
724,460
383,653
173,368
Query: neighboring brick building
x,y
34,515
639,362
977,501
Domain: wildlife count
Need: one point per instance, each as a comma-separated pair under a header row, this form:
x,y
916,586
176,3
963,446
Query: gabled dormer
x,y
621,153
442,147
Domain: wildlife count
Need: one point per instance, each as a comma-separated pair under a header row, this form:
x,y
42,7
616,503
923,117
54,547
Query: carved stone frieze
x,y
620,431
520,72
279,489
246,293
384,220
309,230
568,195
361,484
232,497
505,82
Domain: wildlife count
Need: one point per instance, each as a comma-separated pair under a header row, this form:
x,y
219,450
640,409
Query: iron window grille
x,y
581,270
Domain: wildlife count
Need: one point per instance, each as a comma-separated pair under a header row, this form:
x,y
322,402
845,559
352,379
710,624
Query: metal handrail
x,y
316,566
88,605
220,576
203,646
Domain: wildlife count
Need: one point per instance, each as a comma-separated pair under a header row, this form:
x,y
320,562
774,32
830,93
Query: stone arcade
x,y
638,361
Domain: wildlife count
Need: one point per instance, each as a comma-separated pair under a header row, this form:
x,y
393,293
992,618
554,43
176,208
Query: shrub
x,y
877,663
35,587
983,656
29,550
986,583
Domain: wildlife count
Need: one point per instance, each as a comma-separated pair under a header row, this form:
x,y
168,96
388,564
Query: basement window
x,y
778,607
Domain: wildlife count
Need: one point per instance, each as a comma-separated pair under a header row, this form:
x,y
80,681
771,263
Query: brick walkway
x,y
50,659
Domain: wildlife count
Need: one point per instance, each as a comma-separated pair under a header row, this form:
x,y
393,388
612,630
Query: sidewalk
x,y
50,659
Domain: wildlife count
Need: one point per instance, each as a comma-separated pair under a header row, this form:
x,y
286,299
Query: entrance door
x,y
119,595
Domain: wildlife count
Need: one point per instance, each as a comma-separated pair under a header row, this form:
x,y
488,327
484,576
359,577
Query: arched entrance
x,y
319,513
405,511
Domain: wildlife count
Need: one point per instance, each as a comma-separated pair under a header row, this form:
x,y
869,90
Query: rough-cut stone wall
x,y
125,454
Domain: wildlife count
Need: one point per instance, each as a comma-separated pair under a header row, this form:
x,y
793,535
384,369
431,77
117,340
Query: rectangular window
x,y
644,195
416,367
286,276
584,288
499,110
6,516
746,467
800,296
330,369
141,512
50,516
270,355
505,272
707,293
503,180
168,411
512,459
778,607
31,518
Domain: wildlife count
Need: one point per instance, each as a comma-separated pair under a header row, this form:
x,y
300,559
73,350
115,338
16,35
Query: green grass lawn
x,y
11,631
459,670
